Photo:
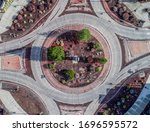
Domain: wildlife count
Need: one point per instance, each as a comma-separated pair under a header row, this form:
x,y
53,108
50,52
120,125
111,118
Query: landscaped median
x,y
120,99
29,18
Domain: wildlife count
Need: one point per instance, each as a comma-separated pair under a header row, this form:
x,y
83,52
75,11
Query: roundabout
x,y
75,59
75,97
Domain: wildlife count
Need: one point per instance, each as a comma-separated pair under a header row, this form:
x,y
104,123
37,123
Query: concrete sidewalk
x,y
11,13
10,103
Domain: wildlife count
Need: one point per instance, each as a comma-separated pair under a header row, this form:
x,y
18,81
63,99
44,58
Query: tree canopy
x,y
70,74
56,53
84,35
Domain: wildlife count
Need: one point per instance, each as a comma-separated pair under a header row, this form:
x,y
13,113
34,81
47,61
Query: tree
x,y
84,35
102,60
56,53
69,74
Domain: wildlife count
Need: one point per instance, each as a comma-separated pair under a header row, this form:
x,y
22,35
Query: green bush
x,y
98,69
70,74
97,46
84,35
102,60
56,53
51,66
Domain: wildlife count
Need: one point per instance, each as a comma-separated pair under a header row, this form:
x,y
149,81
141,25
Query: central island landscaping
x,y
76,58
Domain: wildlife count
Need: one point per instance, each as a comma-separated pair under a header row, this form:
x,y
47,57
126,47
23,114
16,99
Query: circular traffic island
x,y
74,59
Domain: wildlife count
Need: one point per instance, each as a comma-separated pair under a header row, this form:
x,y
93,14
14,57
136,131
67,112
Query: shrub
x,y
84,35
70,74
97,46
103,60
51,66
98,69
56,53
